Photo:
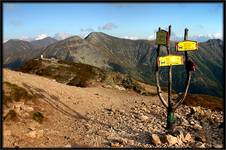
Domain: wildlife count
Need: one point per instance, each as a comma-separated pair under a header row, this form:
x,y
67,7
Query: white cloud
x,y
203,38
41,36
5,40
107,26
218,35
25,38
130,37
214,36
61,35
199,37
152,37
37,37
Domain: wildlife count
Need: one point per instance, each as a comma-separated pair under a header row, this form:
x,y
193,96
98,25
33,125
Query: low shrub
x,y
37,116
11,115
12,92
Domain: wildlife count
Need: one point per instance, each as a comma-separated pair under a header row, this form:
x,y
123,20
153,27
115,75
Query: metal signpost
x,y
163,39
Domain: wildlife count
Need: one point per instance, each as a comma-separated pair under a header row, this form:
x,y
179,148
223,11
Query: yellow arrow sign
x,y
170,60
187,46
161,37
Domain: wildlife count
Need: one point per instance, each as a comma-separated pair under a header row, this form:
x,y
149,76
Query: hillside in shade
x,y
17,52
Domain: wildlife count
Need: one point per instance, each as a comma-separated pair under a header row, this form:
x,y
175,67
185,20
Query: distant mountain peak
x,y
96,34
62,35
72,38
43,42
15,40
46,38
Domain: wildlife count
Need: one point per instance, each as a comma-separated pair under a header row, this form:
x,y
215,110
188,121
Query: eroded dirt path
x,y
68,108
101,117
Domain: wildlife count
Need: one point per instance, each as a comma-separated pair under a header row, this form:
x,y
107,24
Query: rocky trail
x,y
102,116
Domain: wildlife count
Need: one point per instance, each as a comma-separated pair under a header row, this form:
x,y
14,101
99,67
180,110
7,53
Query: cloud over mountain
x,y
206,37
199,37
37,37
61,35
130,37
41,36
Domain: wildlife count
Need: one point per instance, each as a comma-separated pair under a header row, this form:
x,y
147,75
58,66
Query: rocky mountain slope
x,y
76,49
137,58
210,72
40,112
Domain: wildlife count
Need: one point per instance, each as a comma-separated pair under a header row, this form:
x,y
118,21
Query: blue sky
x,y
127,20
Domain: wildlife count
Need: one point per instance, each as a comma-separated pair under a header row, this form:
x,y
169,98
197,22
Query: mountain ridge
x,y
137,58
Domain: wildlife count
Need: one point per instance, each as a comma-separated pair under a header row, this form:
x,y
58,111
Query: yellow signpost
x,y
161,37
187,46
170,60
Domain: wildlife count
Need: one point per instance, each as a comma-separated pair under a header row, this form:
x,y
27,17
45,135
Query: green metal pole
x,y
170,113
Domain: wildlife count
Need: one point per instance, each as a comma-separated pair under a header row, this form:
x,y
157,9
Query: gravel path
x,y
103,117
